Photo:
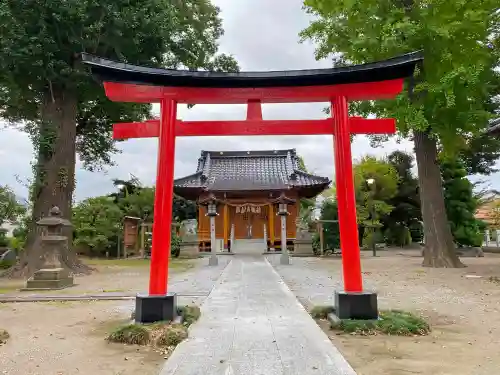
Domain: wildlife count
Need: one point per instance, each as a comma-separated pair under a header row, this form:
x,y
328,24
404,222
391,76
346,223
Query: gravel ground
x,y
66,338
464,312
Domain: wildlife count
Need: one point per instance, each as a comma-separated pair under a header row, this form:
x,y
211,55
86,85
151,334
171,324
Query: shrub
x,y
4,335
172,335
190,314
175,246
134,334
393,322
321,312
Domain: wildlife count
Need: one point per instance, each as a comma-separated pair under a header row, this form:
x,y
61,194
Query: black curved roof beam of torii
x,y
240,87
394,68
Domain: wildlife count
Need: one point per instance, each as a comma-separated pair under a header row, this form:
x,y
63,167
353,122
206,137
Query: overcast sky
x,y
261,35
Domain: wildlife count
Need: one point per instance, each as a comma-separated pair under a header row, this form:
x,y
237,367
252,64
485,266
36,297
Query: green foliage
x,y
321,312
392,322
448,102
140,203
132,334
172,335
190,314
10,209
4,336
183,209
175,245
402,225
331,233
97,223
4,241
41,43
461,204
453,89
372,198
376,182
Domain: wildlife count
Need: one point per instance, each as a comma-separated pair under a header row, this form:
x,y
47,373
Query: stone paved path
x,y
252,324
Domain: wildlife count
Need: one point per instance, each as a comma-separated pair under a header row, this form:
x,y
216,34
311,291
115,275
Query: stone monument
x,y
303,240
51,275
189,240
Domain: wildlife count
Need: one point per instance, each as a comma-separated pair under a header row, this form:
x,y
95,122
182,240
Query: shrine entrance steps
x,y
252,324
249,247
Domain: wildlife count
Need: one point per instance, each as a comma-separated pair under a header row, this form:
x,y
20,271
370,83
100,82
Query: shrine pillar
x,y
353,301
271,226
160,305
226,226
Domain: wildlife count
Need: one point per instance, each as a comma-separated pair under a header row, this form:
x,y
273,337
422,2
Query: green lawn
x,y
174,264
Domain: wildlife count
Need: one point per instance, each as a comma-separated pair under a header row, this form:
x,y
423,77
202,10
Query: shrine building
x,y
247,186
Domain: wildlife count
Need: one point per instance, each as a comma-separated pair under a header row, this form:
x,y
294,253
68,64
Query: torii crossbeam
x,y
130,83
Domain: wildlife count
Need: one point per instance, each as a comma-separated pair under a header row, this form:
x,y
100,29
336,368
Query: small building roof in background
x,y
230,171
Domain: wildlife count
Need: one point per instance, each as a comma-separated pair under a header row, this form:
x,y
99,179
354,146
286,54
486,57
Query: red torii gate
x,y
129,83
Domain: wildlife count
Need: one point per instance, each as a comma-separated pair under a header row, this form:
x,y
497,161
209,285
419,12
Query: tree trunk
x,y
54,178
439,248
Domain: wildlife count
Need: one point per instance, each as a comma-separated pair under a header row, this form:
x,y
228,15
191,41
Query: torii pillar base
x,y
151,309
362,306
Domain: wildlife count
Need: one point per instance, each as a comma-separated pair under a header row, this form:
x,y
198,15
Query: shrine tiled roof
x,y
250,171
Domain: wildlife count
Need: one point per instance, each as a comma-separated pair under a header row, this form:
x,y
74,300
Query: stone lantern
x,y
211,204
51,275
282,210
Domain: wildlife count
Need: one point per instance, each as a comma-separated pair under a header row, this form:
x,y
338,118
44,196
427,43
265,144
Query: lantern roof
x,y
53,219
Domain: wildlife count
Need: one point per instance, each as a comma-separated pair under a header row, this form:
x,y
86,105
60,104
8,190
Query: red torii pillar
x,y
340,125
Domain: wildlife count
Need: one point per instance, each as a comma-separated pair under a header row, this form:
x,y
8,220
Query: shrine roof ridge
x,y
248,153
394,68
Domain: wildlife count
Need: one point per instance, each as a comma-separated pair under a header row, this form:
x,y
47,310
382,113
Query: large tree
x,y
449,100
44,87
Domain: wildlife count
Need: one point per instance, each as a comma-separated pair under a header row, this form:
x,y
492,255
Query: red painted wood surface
x,y
124,92
151,128
164,196
348,225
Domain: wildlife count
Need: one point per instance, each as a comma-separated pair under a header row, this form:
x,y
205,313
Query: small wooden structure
x,y
246,186
320,229
130,234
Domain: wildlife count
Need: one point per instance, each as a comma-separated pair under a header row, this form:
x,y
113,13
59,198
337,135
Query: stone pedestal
x,y
152,309
361,306
303,245
189,248
50,278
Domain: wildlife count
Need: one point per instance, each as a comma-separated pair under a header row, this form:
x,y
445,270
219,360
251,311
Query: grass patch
x,y
132,334
174,264
4,336
190,314
161,334
6,289
321,312
132,262
172,335
392,322
494,279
